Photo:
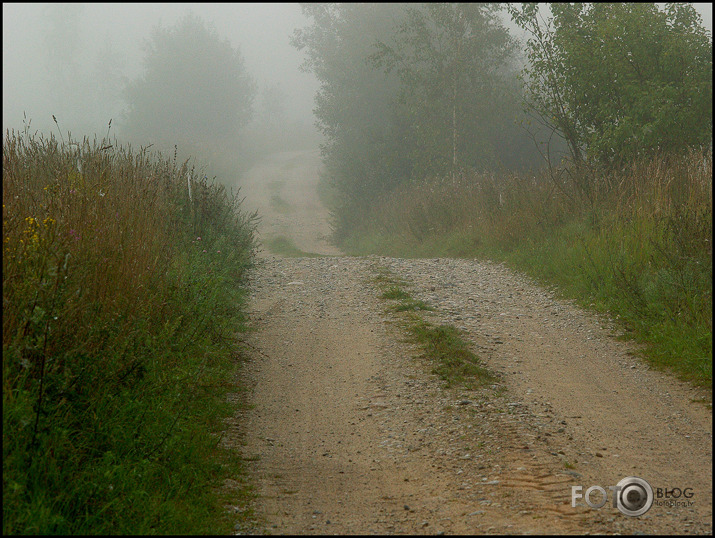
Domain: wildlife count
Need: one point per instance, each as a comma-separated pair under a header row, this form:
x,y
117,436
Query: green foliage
x,y
619,80
409,91
121,301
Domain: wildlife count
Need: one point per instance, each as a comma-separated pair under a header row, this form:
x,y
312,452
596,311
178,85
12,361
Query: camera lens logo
x,y
634,496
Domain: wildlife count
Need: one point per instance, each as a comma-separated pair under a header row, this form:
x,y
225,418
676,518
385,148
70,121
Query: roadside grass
x,y
283,246
638,248
443,345
405,302
395,292
411,305
122,303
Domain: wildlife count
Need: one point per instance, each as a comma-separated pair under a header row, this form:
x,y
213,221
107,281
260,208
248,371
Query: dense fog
x,y
73,60
78,62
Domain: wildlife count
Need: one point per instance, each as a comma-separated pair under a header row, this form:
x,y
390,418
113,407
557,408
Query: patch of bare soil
x,y
350,432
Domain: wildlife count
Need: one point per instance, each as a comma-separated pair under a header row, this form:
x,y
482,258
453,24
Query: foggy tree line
x,y
410,91
416,91
194,92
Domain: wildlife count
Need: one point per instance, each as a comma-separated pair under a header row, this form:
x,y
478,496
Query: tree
x,y
620,80
354,106
194,91
452,60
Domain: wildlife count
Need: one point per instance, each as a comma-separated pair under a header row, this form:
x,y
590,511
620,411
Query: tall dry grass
x,y
84,231
121,302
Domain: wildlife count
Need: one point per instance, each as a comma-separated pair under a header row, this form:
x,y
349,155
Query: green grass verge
x,y
668,309
640,251
664,304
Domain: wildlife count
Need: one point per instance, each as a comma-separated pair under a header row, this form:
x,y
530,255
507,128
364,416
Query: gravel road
x,y
350,433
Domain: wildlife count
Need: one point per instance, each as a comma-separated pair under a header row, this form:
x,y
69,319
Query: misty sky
x,y
115,33
106,44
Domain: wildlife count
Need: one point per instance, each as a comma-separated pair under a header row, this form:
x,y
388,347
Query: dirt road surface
x,y
283,189
350,433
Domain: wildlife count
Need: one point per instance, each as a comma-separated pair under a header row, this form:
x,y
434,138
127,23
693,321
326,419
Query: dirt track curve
x,y
350,433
